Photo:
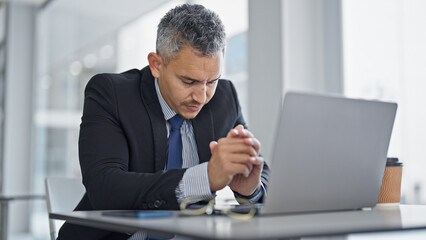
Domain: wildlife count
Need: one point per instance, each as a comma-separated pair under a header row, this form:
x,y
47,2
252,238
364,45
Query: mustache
x,y
192,103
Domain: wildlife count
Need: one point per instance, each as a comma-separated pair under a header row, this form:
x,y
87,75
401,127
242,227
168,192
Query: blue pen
x,y
139,214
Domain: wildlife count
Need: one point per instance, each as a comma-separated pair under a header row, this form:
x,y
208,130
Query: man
x,y
151,138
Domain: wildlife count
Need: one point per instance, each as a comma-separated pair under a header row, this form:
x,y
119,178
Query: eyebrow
x,y
196,80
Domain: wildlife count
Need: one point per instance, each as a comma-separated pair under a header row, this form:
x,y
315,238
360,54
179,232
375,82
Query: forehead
x,y
191,63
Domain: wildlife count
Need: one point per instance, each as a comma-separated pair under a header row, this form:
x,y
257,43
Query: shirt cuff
x,y
255,196
195,184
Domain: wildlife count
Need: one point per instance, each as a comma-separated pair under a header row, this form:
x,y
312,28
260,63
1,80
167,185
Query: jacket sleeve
x,y
104,158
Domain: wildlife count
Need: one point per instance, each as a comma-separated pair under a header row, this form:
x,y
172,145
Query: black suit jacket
x,y
123,145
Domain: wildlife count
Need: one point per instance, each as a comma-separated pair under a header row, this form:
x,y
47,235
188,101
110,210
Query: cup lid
x,y
393,161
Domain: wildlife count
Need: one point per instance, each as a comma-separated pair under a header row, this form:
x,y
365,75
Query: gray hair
x,y
191,24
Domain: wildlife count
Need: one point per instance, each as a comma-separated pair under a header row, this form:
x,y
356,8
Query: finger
x,y
232,140
239,131
239,127
212,146
233,133
241,168
254,143
238,147
236,158
246,133
250,167
244,161
256,160
243,133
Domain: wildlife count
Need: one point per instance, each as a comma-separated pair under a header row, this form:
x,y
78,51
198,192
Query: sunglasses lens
x,y
245,211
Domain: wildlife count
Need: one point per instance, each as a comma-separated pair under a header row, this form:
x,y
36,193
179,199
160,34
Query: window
x,y
2,80
113,39
384,56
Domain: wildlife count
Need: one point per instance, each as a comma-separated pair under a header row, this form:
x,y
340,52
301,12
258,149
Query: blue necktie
x,y
175,143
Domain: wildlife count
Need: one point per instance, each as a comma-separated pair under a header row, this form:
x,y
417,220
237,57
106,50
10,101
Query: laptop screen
x,y
330,153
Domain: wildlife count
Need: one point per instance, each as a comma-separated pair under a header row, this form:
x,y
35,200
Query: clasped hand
x,y
235,162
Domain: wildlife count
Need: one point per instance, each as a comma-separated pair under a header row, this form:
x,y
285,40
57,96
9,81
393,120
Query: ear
x,y
155,61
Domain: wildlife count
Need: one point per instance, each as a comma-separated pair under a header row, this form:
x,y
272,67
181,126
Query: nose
x,y
200,93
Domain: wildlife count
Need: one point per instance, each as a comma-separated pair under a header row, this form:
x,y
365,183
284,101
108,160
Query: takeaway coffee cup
x,y
390,193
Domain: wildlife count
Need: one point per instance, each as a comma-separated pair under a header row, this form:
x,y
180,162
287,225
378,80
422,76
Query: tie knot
x,y
176,122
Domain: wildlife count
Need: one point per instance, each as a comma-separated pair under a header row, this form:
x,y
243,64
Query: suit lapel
x,y
204,133
158,123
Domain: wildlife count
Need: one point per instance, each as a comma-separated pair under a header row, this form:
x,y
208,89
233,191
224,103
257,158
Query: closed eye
x,y
213,82
188,82
191,81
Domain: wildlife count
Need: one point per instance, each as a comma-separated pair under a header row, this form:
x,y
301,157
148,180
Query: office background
x,y
49,49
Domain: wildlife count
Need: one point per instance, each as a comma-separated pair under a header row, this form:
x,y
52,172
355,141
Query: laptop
x,y
330,154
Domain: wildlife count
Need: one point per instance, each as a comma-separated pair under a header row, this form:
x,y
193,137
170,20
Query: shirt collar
x,y
167,110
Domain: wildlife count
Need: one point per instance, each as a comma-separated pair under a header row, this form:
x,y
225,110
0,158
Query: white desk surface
x,y
404,217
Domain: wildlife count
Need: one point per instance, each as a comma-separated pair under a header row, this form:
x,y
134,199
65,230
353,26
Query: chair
x,y
62,195
5,200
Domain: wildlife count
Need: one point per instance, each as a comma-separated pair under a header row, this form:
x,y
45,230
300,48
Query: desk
x,y
261,227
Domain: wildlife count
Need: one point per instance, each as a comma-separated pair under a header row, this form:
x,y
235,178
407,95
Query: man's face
x,y
189,80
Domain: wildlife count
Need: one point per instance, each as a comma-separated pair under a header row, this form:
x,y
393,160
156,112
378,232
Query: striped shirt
x,y
195,181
